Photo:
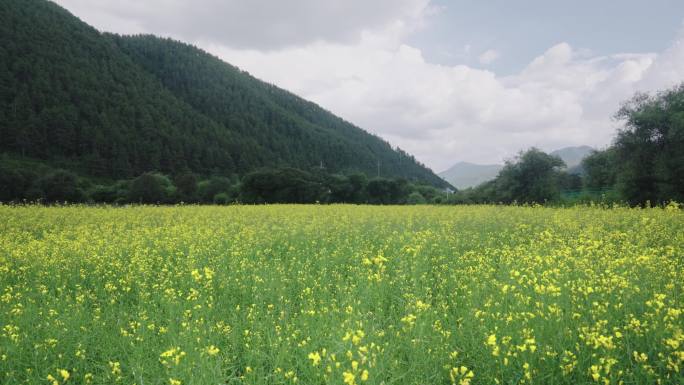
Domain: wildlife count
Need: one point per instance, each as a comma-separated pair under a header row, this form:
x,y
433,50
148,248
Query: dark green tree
x,y
533,177
222,199
340,189
284,185
150,188
569,182
208,189
359,184
15,183
60,186
387,191
649,150
103,193
415,198
600,170
186,187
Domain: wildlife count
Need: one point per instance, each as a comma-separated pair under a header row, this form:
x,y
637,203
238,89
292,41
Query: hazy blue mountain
x,y
463,174
573,156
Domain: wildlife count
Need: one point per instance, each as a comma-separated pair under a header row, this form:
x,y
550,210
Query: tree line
x,y
267,185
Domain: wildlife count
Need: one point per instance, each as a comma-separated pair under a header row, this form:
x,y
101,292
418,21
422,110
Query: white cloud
x,y
261,24
444,114
669,65
489,56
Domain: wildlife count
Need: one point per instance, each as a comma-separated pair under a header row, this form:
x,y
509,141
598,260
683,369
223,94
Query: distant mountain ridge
x,y
117,106
464,174
573,156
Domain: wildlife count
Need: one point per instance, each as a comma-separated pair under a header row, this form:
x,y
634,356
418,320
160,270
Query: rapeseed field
x,y
344,295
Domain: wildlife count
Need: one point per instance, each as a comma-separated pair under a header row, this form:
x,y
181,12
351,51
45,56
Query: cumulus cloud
x,y
255,24
669,66
443,114
489,56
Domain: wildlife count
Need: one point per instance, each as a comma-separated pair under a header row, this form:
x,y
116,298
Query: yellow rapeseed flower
x,y
64,373
349,378
315,358
212,350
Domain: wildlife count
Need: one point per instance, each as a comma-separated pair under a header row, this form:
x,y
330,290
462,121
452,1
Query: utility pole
x,y
378,169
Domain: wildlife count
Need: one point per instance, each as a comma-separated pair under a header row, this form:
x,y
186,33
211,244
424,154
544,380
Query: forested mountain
x,y
116,106
68,92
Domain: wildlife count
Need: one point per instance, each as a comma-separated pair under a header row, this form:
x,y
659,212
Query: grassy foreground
x,y
341,295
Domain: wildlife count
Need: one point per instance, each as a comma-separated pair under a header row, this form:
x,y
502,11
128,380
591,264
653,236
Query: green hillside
x,y
115,107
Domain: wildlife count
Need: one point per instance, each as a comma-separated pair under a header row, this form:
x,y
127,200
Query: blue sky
x,y
446,81
520,30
